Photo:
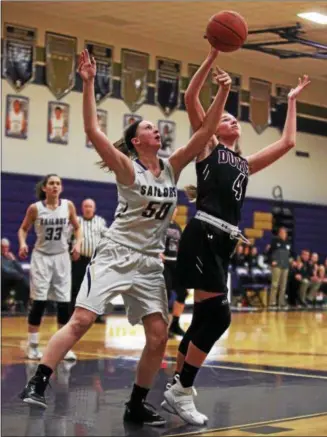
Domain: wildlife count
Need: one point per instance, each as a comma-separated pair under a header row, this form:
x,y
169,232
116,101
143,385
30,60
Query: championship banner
x,y
19,55
60,63
103,54
281,105
134,85
17,116
58,122
282,93
260,92
233,104
206,90
168,75
102,120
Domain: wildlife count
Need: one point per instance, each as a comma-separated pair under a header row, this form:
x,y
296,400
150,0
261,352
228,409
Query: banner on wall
x,y
60,53
168,76
58,122
103,55
18,64
233,104
130,119
167,131
206,90
134,78
282,93
260,92
102,116
17,116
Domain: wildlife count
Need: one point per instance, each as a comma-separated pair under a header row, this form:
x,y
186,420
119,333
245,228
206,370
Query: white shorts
x,y
116,269
50,277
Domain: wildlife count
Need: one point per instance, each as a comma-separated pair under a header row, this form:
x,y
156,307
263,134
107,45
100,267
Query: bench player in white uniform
x,y
126,261
50,274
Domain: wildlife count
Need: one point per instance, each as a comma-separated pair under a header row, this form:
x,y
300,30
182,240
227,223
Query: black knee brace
x,y
181,295
36,312
63,312
211,319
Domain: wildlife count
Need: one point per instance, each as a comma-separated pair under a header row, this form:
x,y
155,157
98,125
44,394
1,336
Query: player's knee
x,y
216,317
157,337
36,312
63,312
81,321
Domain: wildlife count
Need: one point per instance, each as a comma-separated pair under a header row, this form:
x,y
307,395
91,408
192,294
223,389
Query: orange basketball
x,y
227,31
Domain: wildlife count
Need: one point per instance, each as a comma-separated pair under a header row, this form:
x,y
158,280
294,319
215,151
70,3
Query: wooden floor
x,y
273,343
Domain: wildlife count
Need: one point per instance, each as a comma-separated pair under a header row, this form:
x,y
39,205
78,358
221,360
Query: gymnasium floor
x,y
266,376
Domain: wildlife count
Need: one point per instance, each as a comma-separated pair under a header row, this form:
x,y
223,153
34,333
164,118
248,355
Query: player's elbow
x,y
289,143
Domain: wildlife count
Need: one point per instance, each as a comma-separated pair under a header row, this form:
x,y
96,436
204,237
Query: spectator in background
x,y
238,258
12,276
294,283
307,274
280,255
314,284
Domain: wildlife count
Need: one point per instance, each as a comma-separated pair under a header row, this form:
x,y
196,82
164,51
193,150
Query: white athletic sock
x,y
33,338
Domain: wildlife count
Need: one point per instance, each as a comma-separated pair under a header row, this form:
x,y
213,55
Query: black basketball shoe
x,y
143,414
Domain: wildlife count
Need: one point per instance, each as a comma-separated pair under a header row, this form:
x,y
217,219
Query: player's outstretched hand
x,y
87,66
303,83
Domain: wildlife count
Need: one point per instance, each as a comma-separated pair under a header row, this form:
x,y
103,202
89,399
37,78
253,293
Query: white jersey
x,y
144,210
52,228
16,122
57,127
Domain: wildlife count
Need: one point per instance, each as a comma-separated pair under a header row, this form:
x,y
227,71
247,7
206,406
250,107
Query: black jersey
x,y
173,236
222,180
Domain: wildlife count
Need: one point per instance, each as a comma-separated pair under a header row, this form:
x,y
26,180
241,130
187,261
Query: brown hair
x,y
125,144
40,194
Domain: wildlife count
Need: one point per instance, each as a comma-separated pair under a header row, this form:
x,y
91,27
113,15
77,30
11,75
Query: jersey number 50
x,y
53,234
158,210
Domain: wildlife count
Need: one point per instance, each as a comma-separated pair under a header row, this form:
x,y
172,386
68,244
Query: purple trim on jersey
x,y
44,203
140,163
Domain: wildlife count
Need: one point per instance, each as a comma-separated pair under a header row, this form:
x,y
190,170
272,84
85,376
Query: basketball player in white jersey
x,y
126,261
16,123
50,274
57,127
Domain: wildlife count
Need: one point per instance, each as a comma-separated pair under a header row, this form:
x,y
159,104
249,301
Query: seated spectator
x,y
238,259
322,275
12,276
308,276
280,252
294,282
314,284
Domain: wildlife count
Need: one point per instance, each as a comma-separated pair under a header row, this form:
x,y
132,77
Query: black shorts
x,y
172,282
203,257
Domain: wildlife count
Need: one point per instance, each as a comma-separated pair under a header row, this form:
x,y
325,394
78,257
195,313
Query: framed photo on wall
x,y
167,131
17,108
58,122
130,119
102,120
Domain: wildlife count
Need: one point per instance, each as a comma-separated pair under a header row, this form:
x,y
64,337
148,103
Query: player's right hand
x,y
23,251
87,66
222,78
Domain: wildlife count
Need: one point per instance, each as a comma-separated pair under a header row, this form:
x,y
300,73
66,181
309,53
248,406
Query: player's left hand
x,y
222,78
303,83
76,252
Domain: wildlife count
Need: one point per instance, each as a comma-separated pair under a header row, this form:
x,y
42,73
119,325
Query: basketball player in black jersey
x,y
210,237
169,257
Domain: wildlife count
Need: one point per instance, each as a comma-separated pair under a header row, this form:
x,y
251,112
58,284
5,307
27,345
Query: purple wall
x,y
18,193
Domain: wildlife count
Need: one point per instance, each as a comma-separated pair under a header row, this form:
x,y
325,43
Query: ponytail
x,y
124,145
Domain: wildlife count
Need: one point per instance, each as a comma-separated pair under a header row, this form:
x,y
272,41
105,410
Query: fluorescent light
x,y
316,17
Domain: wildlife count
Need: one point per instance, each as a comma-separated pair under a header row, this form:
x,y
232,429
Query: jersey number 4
x,y
158,210
53,234
238,186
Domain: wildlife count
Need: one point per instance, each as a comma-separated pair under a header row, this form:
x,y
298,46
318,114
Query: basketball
x,y
227,31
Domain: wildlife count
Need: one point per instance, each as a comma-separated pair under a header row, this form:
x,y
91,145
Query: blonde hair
x,y
191,192
123,148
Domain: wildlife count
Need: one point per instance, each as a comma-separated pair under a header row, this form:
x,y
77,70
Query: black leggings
x,y
211,318
172,282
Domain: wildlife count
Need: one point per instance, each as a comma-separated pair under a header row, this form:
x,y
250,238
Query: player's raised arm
x,y
195,111
182,156
120,164
271,153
